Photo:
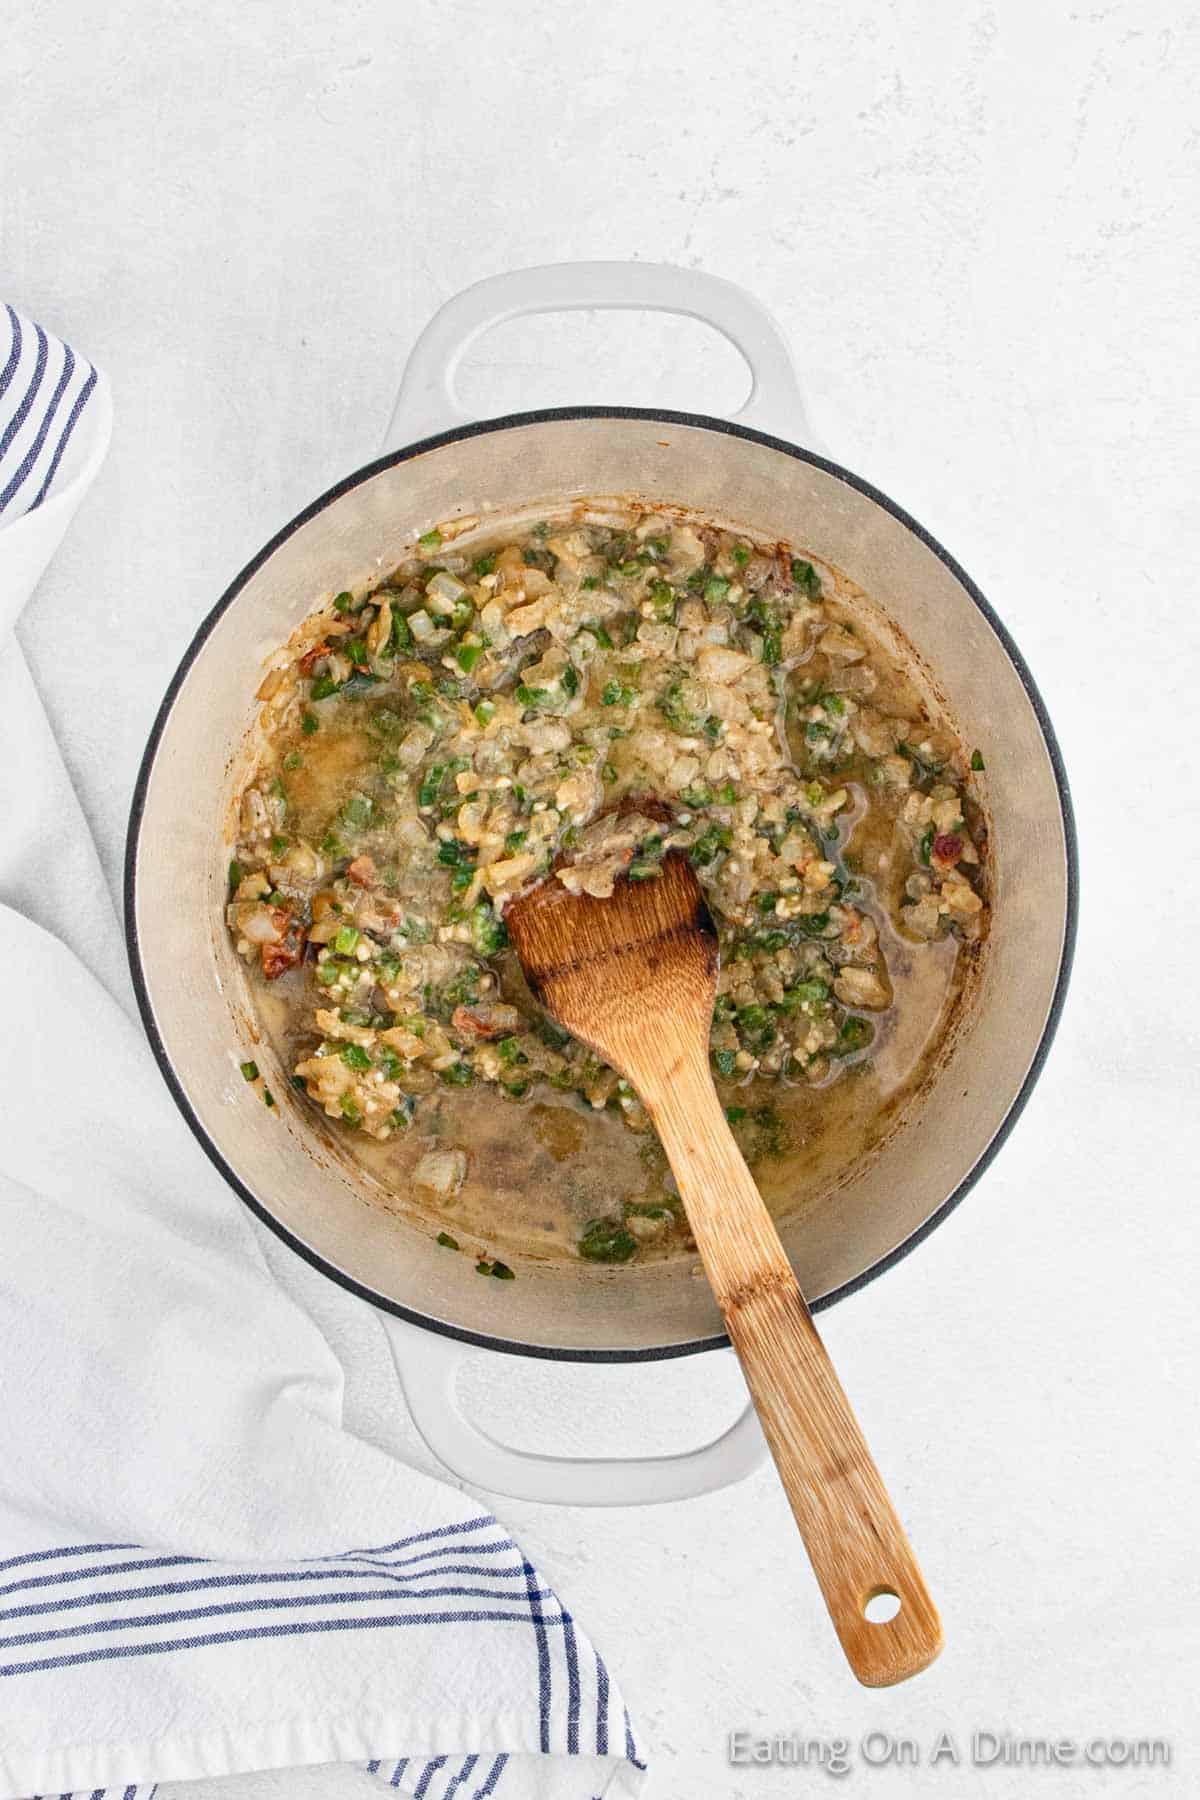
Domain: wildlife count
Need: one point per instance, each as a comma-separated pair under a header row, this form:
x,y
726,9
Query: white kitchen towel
x,y
202,1570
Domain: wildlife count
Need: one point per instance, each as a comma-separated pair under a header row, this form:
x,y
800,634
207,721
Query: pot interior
x,y
193,987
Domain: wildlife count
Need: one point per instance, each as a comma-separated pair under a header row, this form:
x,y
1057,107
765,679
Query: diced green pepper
x,y
756,1027
684,705
488,933
709,844
805,577
607,1240
808,993
854,1035
662,600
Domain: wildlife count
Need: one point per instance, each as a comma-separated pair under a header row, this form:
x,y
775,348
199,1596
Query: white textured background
x,y
976,225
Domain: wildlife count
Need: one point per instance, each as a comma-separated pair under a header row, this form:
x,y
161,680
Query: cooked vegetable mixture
x,y
574,701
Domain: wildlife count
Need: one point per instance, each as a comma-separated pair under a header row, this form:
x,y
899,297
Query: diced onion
x,y
443,592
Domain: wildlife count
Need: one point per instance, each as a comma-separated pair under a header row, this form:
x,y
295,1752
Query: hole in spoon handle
x,y
855,1542
890,1632
881,1608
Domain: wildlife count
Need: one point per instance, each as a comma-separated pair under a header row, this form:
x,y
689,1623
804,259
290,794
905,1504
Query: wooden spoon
x,y
634,977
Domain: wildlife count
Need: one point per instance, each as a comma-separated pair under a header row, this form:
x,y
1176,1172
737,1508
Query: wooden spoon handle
x,y
854,1539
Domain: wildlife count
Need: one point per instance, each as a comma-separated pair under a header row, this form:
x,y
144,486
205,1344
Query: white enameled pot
x,y
748,471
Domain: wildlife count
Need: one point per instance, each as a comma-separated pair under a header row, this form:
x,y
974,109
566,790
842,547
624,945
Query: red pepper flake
x,y
464,1020
278,958
947,847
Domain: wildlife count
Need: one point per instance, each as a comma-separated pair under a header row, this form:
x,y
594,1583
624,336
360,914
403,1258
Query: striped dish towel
x,y
44,389
203,1570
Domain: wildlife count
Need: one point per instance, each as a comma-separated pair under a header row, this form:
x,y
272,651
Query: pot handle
x,y
429,1364
427,402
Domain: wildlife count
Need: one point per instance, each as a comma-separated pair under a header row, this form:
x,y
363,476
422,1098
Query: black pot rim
x,y
726,428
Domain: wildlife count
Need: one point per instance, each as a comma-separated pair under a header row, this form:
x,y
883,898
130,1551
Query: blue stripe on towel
x,y
303,1572
84,396
431,1769
14,354
489,1786
289,1602
572,1684
601,1708
298,1628
33,1556
420,1537
254,1578
23,410
543,1652
464,1774
133,1792
152,1562
35,449
45,387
